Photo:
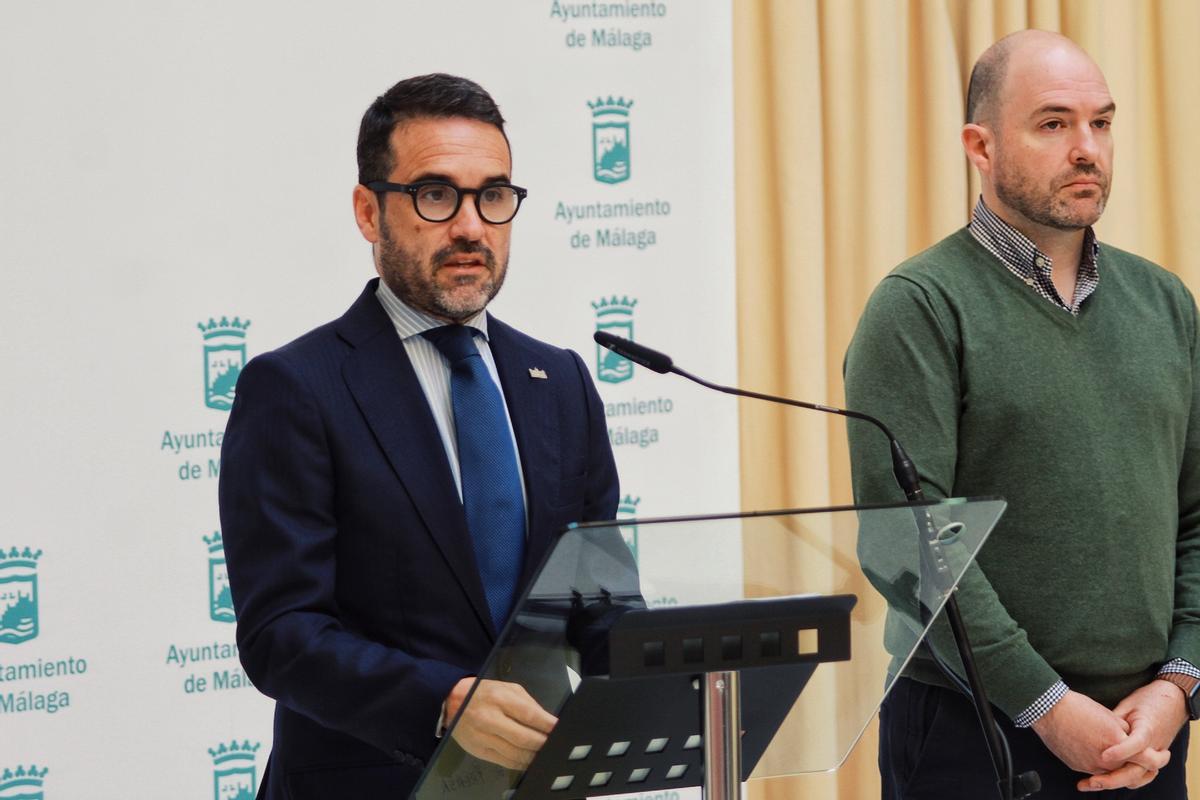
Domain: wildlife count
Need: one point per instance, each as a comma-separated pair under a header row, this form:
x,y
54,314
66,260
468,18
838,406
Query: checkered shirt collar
x,y
1034,268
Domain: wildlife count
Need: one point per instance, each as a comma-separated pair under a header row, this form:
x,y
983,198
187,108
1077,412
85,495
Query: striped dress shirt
x,y
433,373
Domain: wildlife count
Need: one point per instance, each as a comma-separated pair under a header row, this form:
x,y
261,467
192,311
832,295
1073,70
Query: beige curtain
x,y
847,116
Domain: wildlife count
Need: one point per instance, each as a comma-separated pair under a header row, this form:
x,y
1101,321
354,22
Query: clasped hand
x,y
503,724
1121,748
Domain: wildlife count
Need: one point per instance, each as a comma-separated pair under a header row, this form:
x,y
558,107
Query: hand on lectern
x,y
502,724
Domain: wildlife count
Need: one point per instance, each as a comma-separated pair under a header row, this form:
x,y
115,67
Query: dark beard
x,y
414,282
1042,206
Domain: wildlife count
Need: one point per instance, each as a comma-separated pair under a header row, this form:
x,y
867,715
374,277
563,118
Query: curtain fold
x,y
847,157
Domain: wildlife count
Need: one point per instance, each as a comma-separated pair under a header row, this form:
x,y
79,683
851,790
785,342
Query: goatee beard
x,y
416,283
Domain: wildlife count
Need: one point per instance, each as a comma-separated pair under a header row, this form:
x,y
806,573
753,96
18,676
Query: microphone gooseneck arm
x,y
902,466
905,472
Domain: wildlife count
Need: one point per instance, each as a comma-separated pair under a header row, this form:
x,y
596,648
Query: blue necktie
x,y
491,482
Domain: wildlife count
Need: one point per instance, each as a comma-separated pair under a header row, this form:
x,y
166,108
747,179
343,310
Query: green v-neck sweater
x,y
1088,425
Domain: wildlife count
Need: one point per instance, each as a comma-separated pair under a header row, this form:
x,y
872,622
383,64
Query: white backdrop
x,y
166,165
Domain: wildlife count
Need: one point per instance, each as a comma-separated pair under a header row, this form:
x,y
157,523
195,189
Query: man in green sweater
x,y
1019,357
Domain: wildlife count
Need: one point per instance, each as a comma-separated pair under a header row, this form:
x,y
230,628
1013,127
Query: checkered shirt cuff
x,y
1040,706
1179,665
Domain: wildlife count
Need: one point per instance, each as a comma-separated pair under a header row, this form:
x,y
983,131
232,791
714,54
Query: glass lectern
x,y
663,675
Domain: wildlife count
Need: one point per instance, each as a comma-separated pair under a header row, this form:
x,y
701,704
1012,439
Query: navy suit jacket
x,y
359,603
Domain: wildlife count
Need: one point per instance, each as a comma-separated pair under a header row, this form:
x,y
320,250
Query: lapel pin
x,y
536,372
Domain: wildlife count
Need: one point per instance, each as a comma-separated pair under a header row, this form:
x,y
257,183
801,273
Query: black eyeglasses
x,y
438,201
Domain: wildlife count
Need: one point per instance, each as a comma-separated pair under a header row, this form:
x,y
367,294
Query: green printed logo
x,y
22,783
627,509
234,773
220,601
18,596
614,315
224,357
610,139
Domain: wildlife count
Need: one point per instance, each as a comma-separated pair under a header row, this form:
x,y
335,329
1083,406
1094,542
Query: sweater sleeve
x,y
902,366
1185,623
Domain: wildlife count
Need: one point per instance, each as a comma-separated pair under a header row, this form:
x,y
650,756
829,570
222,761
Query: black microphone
x,y
902,466
906,476
650,359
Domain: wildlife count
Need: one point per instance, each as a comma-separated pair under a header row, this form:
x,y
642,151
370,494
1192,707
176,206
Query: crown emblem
x,y
233,752
614,305
22,778
214,542
628,505
225,327
619,106
19,558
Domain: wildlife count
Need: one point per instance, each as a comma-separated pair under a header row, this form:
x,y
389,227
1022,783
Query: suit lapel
x,y
534,416
385,387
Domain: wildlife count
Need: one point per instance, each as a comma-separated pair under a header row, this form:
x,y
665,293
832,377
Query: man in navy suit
x,y
368,592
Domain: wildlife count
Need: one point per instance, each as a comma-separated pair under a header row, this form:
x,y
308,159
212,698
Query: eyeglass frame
x,y
411,190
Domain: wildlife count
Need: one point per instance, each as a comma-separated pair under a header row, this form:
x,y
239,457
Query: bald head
x,y
1040,133
986,90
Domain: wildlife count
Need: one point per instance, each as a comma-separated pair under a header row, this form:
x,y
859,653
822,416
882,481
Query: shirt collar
x,y
1021,256
410,322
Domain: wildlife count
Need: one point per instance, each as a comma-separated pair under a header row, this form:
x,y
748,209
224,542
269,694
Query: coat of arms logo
x,y
224,357
220,601
18,596
235,776
610,139
614,315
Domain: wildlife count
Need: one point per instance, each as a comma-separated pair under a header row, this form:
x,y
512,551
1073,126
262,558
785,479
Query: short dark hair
x,y
435,95
987,79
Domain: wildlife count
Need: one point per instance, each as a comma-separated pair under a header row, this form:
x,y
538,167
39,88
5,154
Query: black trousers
x,y
931,748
